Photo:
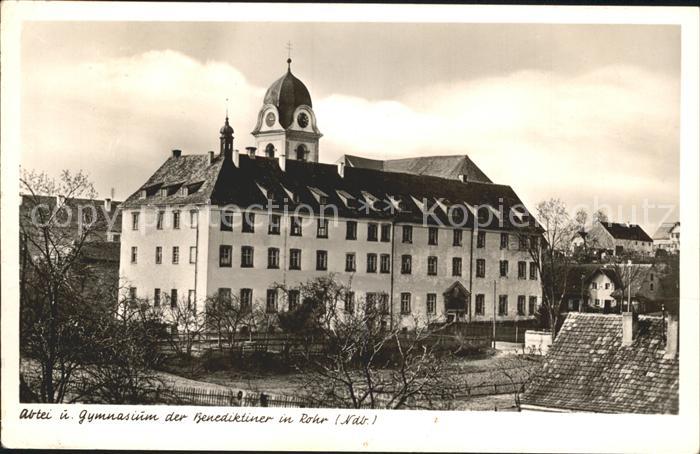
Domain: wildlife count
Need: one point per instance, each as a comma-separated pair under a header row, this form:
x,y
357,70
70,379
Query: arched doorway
x,y
457,301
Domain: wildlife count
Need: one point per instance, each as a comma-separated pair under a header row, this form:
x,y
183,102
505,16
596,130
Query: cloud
x,y
610,133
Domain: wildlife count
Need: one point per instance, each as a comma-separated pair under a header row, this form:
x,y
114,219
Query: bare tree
x,y
187,325
548,245
57,323
225,316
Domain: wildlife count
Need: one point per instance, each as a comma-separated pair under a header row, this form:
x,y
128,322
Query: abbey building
x,y
429,238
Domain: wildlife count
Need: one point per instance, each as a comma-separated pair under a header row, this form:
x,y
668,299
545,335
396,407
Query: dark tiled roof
x,y
223,183
587,369
438,166
626,232
29,202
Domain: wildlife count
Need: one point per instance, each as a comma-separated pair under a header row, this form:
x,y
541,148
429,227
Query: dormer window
x,y
441,203
419,204
267,193
163,192
394,202
346,198
320,196
292,196
370,200
143,194
183,191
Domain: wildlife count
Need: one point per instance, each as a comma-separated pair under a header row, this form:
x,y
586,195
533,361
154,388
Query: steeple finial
x,y
289,56
227,110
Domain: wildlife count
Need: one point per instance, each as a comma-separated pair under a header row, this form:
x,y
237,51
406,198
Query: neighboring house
x,y
668,237
619,239
458,167
609,364
605,288
183,238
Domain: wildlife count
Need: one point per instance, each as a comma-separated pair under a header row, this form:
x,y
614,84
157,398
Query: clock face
x,y
270,119
303,120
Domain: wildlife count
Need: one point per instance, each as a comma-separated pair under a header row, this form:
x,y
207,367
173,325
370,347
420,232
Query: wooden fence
x,y
228,398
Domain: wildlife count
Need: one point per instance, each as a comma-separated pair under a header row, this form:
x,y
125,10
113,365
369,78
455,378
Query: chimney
x,y
211,157
108,205
629,328
177,153
671,336
341,169
251,152
283,162
234,158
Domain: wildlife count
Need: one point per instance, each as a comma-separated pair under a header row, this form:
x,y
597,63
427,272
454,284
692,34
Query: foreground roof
x,y
587,369
220,182
104,221
438,166
626,231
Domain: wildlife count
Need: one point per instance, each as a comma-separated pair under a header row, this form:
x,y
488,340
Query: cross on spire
x,y
227,108
289,49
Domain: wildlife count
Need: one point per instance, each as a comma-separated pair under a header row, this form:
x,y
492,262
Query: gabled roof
x,y
438,166
587,369
223,183
29,202
664,230
626,231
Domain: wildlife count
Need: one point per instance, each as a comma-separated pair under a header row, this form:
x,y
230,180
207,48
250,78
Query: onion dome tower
x,y
286,123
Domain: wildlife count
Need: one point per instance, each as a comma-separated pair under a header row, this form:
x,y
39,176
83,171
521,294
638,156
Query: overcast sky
x,y
583,113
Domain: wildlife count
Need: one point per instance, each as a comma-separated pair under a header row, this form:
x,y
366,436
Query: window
x,y
503,266
534,242
295,226
607,286
597,302
193,254
481,240
321,260
322,228
225,256
651,277
480,268
134,254
159,255
651,286
271,301
176,255
132,294
432,236
405,303
350,261
191,299
407,234
350,302
521,305
457,237
385,263
248,223
479,309
273,227
134,221
176,219
532,305
193,219
273,258
371,231
159,220
295,259
246,256
173,298
503,305
431,303
432,266
594,285
504,241
225,295
533,271
293,299
522,269
351,230
405,264
226,221
522,243
386,232
382,299
156,297
246,300
456,266
371,263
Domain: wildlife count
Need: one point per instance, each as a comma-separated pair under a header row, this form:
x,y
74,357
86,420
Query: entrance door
x,y
456,302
